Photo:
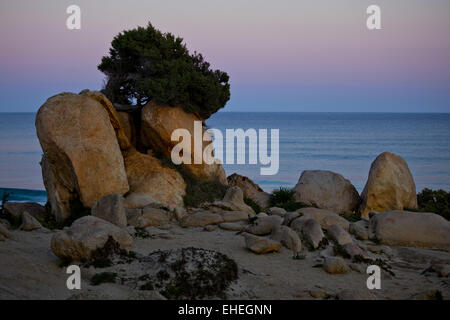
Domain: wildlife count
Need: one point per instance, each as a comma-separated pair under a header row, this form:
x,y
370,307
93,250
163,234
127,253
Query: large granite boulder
x,y
390,186
158,123
147,176
250,189
327,190
82,156
87,234
411,229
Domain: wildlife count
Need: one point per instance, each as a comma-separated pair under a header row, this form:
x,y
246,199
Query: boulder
x,y
201,219
354,252
287,237
4,232
339,235
16,209
155,217
127,121
233,216
390,186
111,208
157,124
29,223
235,196
138,200
147,176
264,225
233,226
180,213
87,234
411,229
312,233
250,189
275,211
261,245
289,217
360,229
82,156
325,218
327,190
335,265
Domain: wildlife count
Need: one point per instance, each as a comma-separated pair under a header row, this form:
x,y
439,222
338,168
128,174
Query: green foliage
x,y
199,192
284,198
437,201
256,207
146,65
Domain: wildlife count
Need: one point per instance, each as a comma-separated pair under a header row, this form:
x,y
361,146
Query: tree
x,y
146,65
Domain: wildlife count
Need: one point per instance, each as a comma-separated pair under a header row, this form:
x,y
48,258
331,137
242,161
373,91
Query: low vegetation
x,y
284,198
436,201
251,203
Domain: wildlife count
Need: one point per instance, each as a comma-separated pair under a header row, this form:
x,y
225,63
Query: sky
x,y
284,55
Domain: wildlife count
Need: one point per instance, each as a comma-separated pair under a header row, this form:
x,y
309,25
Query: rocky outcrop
x,y
87,234
412,229
146,175
158,123
111,208
390,186
82,156
327,190
250,189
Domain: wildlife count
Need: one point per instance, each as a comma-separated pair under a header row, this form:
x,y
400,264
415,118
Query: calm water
x,y
346,143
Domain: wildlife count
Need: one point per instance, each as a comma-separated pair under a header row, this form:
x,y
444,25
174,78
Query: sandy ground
x,y
29,270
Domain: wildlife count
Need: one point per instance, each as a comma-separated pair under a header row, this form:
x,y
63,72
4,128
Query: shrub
x,y
256,207
284,198
146,65
436,201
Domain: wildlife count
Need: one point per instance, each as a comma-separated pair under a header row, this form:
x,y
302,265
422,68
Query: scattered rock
x,y
411,229
288,238
111,208
264,225
327,190
250,189
325,218
390,186
360,229
356,294
87,234
335,265
233,226
339,235
15,210
201,219
81,152
275,211
312,233
29,223
233,216
261,245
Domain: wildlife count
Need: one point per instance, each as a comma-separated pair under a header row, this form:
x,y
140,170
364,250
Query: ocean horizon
x,y
342,142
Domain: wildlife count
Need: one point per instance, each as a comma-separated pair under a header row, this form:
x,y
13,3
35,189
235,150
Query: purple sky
x,y
286,55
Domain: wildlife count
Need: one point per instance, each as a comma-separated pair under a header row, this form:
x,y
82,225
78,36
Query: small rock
x,y
312,233
264,225
233,226
360,229
180,213
111,208
261,245
201,219
288,238
29,223
339,235
335,265
233,216
275,211
318,293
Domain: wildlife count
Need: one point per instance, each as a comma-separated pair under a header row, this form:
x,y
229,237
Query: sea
x,y
345,143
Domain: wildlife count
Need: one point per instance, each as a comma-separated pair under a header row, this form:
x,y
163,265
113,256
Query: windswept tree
x,y
146,65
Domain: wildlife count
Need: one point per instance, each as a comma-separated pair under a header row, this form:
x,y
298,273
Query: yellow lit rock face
x,y
390,186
